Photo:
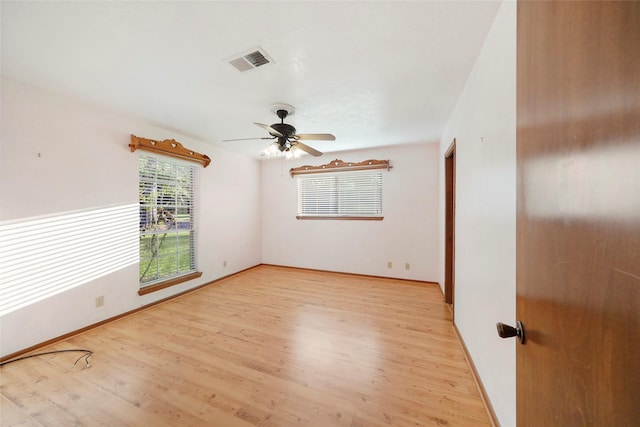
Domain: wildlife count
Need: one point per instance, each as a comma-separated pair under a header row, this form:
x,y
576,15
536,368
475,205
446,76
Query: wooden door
x,y
578,218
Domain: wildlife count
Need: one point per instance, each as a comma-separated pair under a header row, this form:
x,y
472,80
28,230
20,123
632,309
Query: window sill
x,y
348,218
167,283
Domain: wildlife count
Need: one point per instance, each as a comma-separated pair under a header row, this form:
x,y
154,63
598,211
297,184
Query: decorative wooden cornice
x,y
168,147
340,166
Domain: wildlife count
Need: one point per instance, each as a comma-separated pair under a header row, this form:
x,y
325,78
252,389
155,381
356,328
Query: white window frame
x,y
352,195
167,222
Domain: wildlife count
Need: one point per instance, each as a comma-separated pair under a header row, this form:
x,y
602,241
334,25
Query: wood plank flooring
x,y
271,346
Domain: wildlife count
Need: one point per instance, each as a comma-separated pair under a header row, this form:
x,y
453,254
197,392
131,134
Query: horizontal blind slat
x,y
341,194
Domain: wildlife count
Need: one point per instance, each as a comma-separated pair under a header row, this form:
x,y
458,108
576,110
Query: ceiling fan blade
x,y
246,139
315,137
306,148
269,129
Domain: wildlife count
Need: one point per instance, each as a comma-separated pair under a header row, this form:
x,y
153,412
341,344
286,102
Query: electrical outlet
x,y
407,266
389,264
100,301
224,263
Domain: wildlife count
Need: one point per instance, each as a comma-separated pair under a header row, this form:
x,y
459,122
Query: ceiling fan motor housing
x,y
287,130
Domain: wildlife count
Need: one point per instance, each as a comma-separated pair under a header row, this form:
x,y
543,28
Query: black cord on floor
x,y
86,356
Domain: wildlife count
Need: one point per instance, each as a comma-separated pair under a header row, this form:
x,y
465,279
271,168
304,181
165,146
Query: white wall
x,y
484,125
248,209
408,233
57,155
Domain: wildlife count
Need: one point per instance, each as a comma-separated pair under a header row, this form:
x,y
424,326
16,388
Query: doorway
x,y
450,227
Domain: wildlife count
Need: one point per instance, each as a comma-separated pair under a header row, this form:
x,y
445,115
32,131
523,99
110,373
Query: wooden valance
x,y
168,147
340,166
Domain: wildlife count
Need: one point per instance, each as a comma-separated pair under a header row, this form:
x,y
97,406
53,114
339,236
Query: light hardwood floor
x,y
271,346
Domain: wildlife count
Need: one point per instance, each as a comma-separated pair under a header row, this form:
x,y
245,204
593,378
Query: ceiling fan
x,y
284,136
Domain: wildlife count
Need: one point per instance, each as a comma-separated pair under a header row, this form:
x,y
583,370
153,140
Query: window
x,y
167,220
342,195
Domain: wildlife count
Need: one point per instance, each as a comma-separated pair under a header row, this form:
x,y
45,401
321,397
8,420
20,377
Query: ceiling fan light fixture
x,y
293,153
271,151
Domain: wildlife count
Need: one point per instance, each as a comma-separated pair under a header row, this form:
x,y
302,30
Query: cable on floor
x,y
86,356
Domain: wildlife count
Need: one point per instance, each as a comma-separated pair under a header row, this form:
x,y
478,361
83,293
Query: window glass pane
x,y
148,247
184,262
150,270
167,266
184,243
167,224
341,194
184,220
166,194
147,218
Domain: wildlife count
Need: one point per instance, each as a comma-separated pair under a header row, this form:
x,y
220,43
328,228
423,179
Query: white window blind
x,y
167,218
41,257
344,194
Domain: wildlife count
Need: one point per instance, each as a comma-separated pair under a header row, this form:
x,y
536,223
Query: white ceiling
x,y
371,73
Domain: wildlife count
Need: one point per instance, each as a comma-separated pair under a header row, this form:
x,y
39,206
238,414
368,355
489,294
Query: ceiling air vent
x,y
248,60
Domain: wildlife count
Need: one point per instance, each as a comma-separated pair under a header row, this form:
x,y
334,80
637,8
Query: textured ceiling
x,y
371,73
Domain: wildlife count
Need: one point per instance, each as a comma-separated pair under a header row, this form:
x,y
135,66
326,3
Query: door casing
x,y
450,227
